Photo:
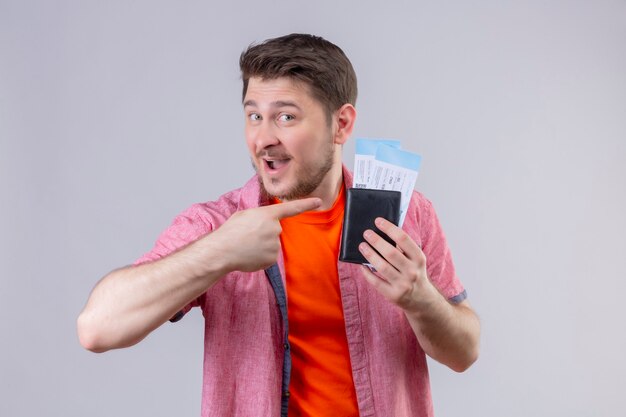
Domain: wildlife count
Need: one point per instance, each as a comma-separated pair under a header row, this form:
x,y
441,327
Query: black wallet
x,y
363,205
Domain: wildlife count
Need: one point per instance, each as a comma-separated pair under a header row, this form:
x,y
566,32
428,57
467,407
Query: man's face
x,y
288,136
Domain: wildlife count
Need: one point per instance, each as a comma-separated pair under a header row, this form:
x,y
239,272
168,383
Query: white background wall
x,y
116,115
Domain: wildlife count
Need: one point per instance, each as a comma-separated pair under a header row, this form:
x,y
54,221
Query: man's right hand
x,y
250,239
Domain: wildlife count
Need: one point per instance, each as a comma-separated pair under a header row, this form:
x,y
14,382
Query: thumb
x,y
295,207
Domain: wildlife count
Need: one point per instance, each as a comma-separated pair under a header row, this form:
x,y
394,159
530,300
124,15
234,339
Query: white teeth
x,y
276,163
280,163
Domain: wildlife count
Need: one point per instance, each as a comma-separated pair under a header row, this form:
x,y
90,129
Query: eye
x,y
286,117
254,117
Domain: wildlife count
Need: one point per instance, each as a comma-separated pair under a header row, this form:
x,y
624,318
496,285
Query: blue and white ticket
x,y
397,170
364,157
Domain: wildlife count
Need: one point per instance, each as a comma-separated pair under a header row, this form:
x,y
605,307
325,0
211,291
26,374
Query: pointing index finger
x,y
295,207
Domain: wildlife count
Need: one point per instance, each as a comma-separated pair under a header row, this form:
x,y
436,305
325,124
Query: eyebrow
x,y
275,104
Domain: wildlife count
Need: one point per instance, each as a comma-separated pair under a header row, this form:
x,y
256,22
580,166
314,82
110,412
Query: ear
x,y
345,118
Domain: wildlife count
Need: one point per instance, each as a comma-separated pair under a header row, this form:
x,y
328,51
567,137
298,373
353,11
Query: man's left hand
x,y
401,270
447,333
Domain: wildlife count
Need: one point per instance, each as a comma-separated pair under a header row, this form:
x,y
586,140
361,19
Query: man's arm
x,y
448,333
129,303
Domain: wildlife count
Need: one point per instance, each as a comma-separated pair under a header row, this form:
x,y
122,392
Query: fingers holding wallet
x,y
400,269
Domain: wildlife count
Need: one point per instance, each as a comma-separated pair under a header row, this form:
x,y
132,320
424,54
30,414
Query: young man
x,y
347,342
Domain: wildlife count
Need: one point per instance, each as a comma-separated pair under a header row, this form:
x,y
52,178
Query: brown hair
x,y
313,60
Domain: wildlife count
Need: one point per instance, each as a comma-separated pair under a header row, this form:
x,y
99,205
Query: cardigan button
x,y
286,394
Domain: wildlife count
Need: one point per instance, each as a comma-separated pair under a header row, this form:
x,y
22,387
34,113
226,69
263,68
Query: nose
x,y
264,135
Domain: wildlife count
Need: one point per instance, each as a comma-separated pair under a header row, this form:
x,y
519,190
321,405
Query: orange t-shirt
x,y
321,375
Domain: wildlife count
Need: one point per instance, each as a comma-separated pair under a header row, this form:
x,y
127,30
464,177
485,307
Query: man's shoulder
x,y
420,212
421,201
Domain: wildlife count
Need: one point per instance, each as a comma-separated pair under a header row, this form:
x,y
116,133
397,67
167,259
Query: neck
x,y
330,187
330,193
